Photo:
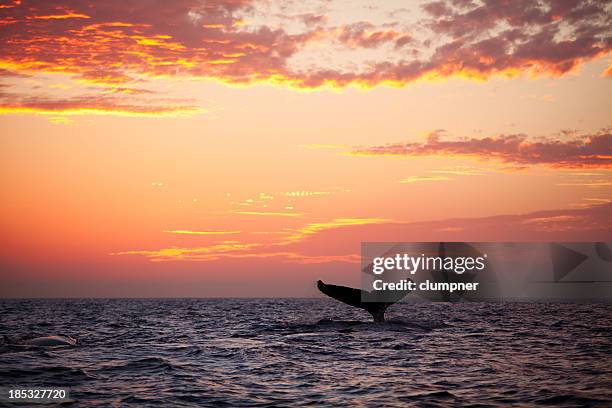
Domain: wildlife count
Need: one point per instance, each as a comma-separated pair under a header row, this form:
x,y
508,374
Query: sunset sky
x,y
247,147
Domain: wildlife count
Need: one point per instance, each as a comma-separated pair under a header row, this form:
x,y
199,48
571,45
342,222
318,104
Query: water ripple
x,y
264,352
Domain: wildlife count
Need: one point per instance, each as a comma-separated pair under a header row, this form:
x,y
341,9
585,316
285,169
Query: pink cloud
x,y
112,41
340,241
593,151
367,35
96,104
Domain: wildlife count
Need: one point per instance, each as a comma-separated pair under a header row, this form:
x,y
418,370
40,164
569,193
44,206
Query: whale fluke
x,y
359,298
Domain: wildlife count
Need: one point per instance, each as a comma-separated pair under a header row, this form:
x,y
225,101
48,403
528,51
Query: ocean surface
x,y
287,352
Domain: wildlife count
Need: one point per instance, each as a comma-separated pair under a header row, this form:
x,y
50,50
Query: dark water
x,y
273,352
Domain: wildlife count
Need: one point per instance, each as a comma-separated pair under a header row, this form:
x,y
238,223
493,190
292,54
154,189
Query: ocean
x,y
305,352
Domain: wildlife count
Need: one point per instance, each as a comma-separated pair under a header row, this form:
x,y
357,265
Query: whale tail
x,y
360,298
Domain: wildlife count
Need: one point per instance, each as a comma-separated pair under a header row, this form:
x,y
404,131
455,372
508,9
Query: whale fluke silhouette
x,y
361,299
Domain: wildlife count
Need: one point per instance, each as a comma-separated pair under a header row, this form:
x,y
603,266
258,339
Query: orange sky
x,y
243,148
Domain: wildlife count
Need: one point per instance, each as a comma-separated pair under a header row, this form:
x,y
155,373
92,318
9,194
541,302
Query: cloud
x,y
237,249
190,232
366,35
58,16
60,120
598,200
113,42
302,193
311,19
125,90
592,223
420,179
586,151
12,103
547,36
460,171
280,203
338,240
269,213
160,40
210,252
9,73
591,183
314,228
